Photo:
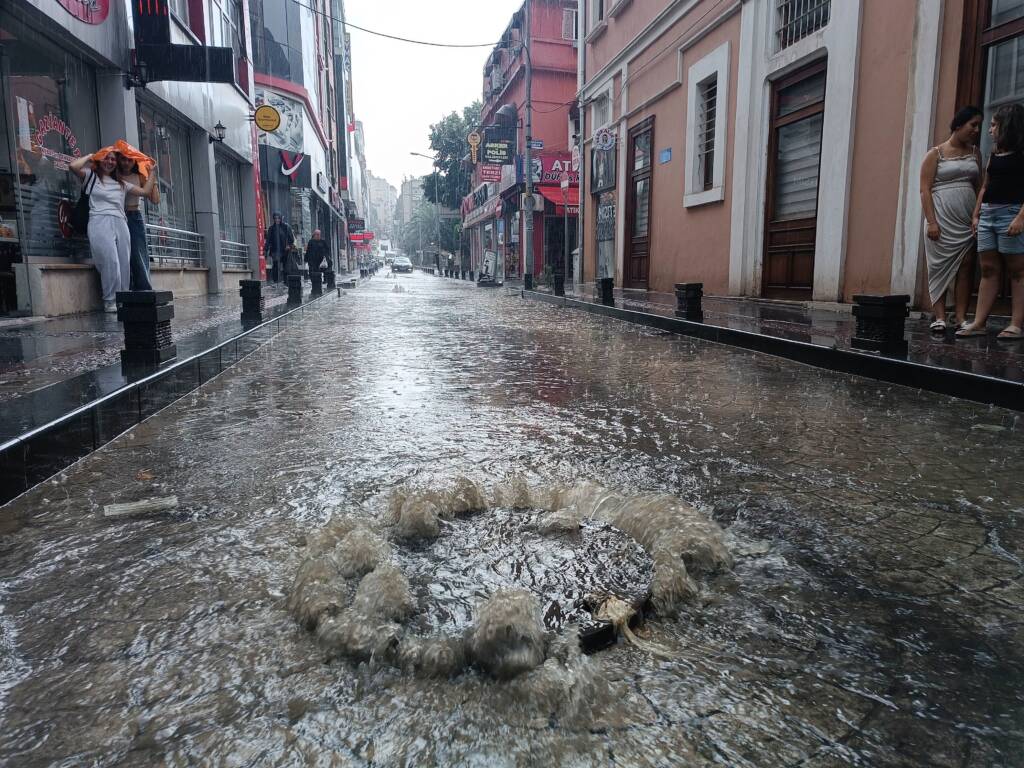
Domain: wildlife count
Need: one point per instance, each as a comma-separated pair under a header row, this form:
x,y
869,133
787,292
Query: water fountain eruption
x,y
511,581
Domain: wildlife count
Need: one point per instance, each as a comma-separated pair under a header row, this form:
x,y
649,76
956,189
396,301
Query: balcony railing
x,y
234,255
175,247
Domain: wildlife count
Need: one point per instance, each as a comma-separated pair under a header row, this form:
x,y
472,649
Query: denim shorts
x,y
995,220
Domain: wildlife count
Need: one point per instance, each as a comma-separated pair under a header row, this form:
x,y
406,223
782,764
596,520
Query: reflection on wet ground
x,y
37,354
834,326
873,615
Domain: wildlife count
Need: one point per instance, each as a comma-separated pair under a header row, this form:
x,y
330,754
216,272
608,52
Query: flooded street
x,y
872,616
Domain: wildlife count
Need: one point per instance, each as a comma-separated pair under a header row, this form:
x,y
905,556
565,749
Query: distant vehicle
x,y
401,264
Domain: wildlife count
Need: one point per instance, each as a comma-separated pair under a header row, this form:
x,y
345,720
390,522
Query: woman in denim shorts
x,y
999,222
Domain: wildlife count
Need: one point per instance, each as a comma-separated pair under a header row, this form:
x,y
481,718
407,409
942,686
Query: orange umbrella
x,y
122,147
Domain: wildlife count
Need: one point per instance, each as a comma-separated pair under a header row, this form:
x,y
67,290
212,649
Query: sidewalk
x,y
36,352
830,325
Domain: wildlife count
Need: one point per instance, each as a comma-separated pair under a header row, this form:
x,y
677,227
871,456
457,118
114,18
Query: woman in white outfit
x,y
109,238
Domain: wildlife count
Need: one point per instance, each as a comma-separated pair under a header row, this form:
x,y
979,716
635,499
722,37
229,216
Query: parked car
x,y
401,264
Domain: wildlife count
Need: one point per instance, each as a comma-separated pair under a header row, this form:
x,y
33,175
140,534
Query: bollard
x,y
605,292
294,289
148,338
688,301
880,324
316,279
528,281
329,278
471,275
254,304
558,284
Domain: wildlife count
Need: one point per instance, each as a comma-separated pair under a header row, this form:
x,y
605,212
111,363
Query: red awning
x,y
554,194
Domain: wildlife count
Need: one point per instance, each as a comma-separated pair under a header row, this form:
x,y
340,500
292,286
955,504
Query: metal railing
x,y
174,246
799,18
234,255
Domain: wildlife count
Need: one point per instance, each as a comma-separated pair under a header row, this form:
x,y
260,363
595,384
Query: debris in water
x,y
620,613
144,507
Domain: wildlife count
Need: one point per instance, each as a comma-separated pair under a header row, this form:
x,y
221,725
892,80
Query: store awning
x,y
554,194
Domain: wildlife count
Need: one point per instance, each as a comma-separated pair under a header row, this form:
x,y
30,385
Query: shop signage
x,y
89,11
490,172
488,210
321,183
548,169
291,162
356,225
498,152
604,139
51,123
606,218
536,143
474,144
576,158
267,118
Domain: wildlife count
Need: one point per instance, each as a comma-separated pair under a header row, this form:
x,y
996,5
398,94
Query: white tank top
x,y
106,197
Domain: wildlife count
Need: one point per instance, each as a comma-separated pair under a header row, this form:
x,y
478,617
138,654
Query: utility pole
x,y
527,159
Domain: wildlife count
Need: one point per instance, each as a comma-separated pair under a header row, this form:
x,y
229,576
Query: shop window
x,y
796,19
168,142
51,118
229,198
707,110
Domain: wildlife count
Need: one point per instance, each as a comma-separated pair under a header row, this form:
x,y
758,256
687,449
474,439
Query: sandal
x,y
1011,333
939,326
966,333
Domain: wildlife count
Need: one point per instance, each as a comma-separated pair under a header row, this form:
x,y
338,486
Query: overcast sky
x,y
400,88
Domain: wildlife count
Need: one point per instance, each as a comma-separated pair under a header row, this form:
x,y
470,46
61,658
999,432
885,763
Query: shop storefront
x,y
234,251
49,117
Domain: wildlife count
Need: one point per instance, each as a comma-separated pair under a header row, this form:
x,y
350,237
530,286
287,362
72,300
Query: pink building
x,y
771,148
491,214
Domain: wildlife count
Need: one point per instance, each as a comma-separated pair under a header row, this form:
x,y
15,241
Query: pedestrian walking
x,y
129,171
318,254
950,178
109,237
279,243
999,223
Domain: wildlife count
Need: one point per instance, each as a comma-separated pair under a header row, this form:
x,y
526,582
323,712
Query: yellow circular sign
x,y
473,139
267,118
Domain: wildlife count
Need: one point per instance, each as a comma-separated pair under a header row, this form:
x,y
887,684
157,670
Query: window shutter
x,y
568,24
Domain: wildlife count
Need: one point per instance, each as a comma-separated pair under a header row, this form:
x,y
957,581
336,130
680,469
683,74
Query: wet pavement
x,y
873,615
833,325
38,352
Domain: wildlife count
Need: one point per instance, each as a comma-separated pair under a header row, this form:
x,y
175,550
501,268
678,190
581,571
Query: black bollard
x,y
253,302
148,338
558,284
688,301
528,281
329,278
471,275
316,279
294,289
880,324
605,292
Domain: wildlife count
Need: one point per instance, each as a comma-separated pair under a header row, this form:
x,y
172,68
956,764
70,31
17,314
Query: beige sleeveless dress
x,y
953,195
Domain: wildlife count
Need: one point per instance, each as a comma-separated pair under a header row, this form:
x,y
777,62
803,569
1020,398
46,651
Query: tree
x,y
421,232
450,182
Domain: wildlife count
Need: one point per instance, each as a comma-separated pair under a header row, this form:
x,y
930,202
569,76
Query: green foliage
x,y
422,231
451,182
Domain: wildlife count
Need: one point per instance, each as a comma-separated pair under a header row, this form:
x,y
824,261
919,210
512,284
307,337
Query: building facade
x,y
68,86
771,148
491,213
383,199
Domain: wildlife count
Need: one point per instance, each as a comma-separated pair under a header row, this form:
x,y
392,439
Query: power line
x,y
394,37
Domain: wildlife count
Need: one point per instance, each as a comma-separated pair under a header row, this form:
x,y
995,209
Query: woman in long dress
x,y
950,176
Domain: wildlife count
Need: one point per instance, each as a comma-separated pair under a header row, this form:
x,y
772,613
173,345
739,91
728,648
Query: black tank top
x,y
1005,185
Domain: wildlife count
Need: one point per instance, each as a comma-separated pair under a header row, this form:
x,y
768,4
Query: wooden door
x,y
794,159
638,205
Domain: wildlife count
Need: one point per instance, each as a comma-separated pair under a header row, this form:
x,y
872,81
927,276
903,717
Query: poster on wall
x,y
606,235
288,136
603,175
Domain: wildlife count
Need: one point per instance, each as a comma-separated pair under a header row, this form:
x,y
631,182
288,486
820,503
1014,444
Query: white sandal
x,y
939,326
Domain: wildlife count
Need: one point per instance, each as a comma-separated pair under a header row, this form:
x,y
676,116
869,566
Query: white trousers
x,y
110,243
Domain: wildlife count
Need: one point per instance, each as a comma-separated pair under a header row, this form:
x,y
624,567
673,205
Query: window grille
x,y
568,24
708,94
796,19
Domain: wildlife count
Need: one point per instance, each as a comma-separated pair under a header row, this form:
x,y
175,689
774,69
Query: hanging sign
x,y
490,172
267,118
604,138
474,144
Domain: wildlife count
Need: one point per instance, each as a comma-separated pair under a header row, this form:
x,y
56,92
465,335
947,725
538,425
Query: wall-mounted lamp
x,y
137,76
219,132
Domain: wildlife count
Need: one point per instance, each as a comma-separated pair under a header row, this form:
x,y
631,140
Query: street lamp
x,y
437,208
